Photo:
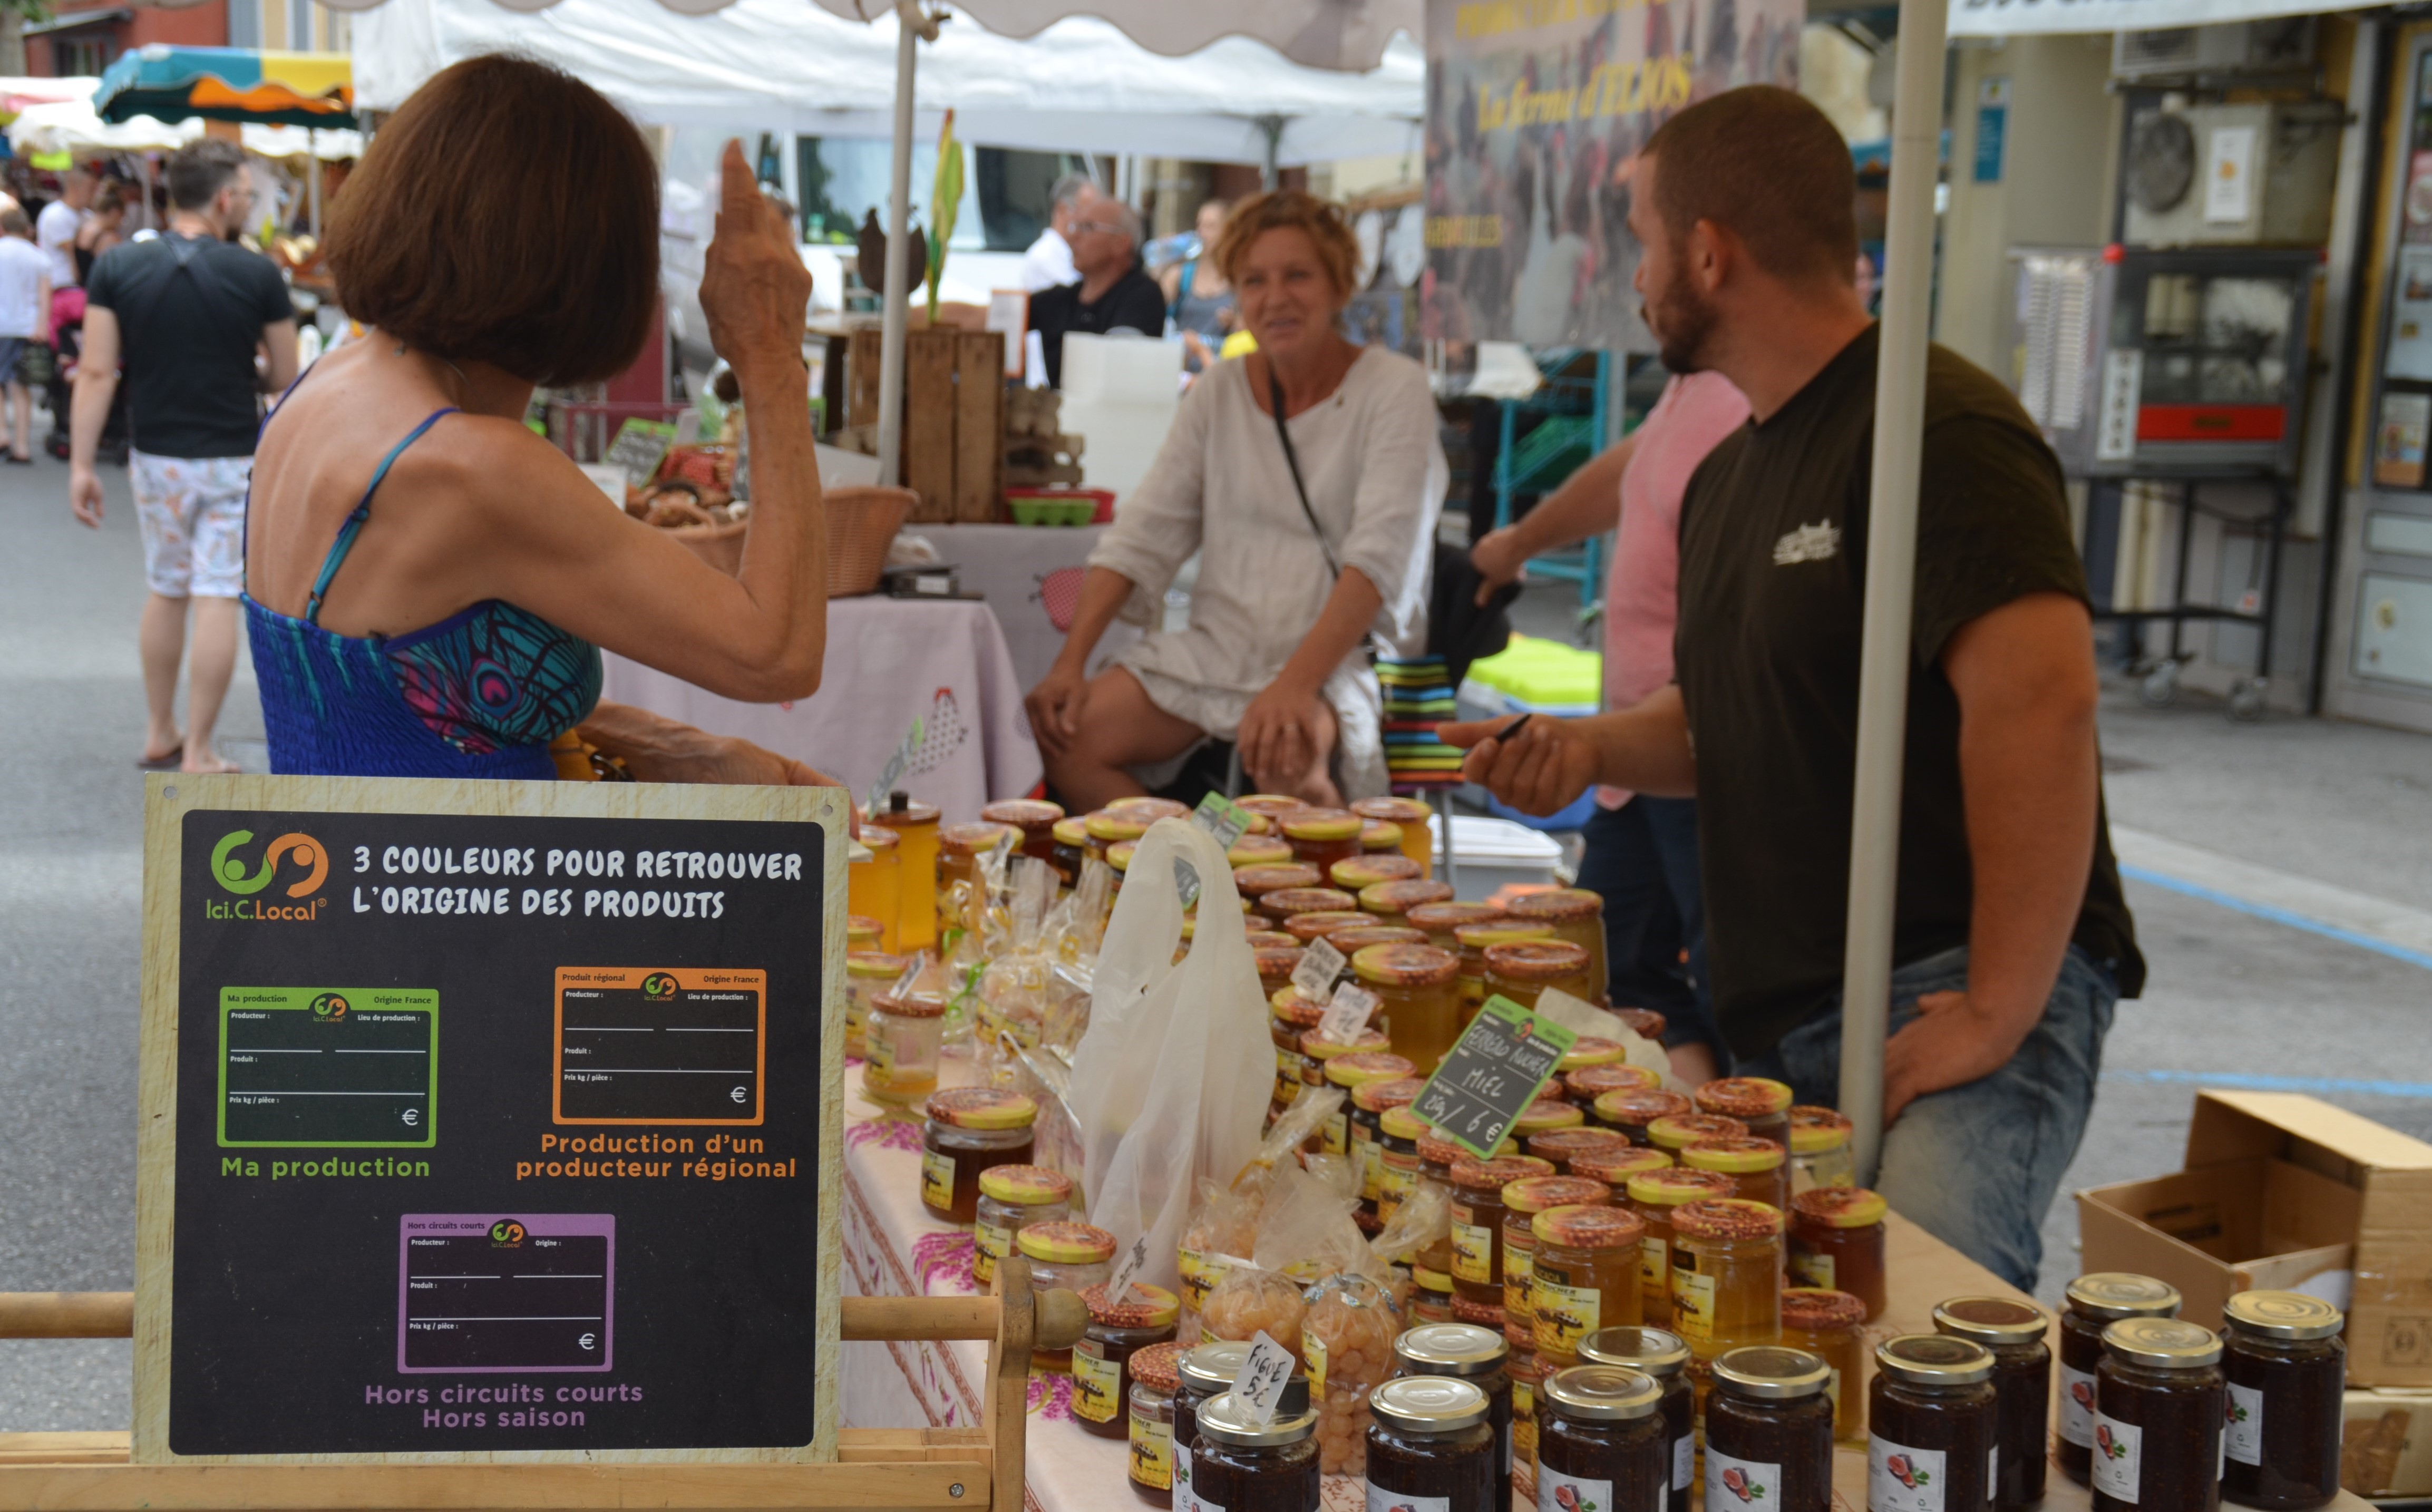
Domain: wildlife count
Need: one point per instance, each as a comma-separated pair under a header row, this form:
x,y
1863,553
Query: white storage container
x,y
1488,854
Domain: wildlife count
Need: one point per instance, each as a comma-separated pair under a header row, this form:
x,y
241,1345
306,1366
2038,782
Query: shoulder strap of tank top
x,y
354,522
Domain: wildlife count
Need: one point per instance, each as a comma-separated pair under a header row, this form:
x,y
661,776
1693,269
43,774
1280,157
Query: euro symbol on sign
x,y
413,1117
736,1094
585,1342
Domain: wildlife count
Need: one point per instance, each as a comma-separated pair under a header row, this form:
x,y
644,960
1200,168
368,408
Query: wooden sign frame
x,y
169,796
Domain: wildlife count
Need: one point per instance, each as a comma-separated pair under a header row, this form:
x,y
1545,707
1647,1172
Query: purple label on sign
x,y
485,1292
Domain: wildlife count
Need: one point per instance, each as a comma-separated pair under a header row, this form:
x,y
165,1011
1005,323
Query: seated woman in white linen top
x,y
1275,654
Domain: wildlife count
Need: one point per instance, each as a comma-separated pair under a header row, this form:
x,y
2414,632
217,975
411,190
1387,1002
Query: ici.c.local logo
x,y
306,866
506,1234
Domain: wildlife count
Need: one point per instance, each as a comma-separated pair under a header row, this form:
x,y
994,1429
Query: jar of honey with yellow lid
x,y
1350,1072
1819,1150
1388,899
1836,1241
862,932
1522,1200
875,888
1726,1274
1441,919
1284,902
1255,882
1034,818
1478,938
1586,1276
1676,1131
1275,965
1616,1166
1367,870
1416,996
1398,1133
1522,970
1544,1116
1370,1101
1377,838
1589,1082
1071,847
1478,1221
1326,922
1351,942
1271,807
1290,1016
1760,1103
1756,1165
1635,1111
1562,1145
1107,826
1408,816
1653,1195
1321,838
1259,850
1576,915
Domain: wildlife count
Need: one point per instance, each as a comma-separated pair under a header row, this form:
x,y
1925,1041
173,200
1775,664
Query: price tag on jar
x,y
1319,965
1128,1263
1223,818
1258,1385
1347,1014
1496,1070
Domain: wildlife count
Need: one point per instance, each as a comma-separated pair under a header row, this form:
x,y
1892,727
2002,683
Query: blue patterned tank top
x,y
480,693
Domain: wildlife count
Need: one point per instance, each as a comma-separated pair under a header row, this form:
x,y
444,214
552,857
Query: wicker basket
x,y
862,522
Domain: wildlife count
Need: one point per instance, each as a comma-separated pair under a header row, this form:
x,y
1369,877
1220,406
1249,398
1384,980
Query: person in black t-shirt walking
x,y
189,311
2012,942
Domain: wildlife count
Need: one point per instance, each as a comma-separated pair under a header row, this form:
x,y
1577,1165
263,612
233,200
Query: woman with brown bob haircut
x,y
429,584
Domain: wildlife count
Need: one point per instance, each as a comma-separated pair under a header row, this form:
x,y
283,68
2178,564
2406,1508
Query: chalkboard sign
x,y
489,1120
1496,1070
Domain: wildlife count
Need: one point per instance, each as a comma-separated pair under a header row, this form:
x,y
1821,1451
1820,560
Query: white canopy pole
x,y
895,301
1891,574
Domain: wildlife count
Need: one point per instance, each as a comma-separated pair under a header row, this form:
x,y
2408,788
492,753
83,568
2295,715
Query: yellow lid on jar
x,y
1286,1006
1443,918
1743,1156
1537,960
1363,1067
1150,807
1391,897
1589,1051
1537,1194
982,1108
877,964
1285,901
1588,1226
1258,851
1392,810
1319,1049
862,932
1841,1207
1563,905
1072,832
1671,1186
1405,966
1679,1130
877,836
1366,871
1481,936
1814,1130
1382,1096
1544,1114
1615,1167
1022,813
1144,1306
1425,1280
1119,855
1724,1219
1744,1097
1026,1185
1320,824
1379,836
1275,878
1401,1123
1066,1244
971,839
1325,921
1107,825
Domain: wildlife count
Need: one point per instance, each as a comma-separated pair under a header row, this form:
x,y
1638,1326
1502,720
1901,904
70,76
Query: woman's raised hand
x,y
754,290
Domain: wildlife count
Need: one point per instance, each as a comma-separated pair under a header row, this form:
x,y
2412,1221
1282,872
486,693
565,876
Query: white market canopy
x,y
2023,18
1079,85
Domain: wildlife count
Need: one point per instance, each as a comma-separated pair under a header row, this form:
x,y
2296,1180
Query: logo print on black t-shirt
x,y
1808,543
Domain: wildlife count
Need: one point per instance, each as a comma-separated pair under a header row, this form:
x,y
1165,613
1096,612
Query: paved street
x,y
2231,993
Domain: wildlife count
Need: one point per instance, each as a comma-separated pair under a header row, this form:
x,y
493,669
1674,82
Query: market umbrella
x,y
229,84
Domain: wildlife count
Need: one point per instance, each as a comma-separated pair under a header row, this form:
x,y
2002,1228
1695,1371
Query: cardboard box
x,y
2386,1443
2281,1190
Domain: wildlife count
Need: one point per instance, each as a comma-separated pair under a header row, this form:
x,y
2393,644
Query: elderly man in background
x,y
1049,262
1113,293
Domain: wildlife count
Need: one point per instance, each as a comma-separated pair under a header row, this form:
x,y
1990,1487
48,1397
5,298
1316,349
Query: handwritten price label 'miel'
x,y
1258,1385
1496,1068
1319,965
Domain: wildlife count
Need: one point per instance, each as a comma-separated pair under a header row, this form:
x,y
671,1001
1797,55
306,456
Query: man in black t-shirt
x,y
189,311
1113,295
2012,942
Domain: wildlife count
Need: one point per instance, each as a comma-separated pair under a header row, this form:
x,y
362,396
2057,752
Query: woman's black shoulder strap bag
x,y
1459,628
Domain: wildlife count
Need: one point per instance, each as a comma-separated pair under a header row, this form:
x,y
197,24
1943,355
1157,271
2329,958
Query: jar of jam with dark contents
x,y
1521,972
1559,1145
1370,1103
1819,1150
1306,929
1583,1087
2159,1402
1288,1016
1207,1372
1388,901
1368,868
1826,1324
1441,919
1101,1377
2013,1331
1436,1154
1281,904
1430,1445
1528,1374
1070,844
1659,1353
1430,1296
1321,838
1034,818
1678,1132
1259,850
1408,816
1416,996
1155,1374
1347,1073
1477,1355
1615,1167
2286,1368
1240,1465
1636,1111
1476,939
1837,1242
2095,1302
1933,1429
1255,882
1601,1441
1769,1425
971,1128
1653,1195
1586,1276
1758,1166
1577,917
1726,1274
1760,1103
1522,1201
1012,1198
1316,1050
1398,1133
1478,1221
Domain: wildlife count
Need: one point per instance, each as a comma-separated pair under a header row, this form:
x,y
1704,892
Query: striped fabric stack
x,y
1418,696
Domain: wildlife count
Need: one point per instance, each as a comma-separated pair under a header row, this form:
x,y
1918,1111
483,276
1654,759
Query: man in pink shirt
x,y
1641,852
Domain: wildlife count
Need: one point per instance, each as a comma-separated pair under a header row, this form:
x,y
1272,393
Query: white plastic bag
x,y
1177,1067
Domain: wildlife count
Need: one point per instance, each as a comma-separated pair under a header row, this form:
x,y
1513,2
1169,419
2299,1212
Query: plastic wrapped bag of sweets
x,y
1224,1225
1347,1331
1014,983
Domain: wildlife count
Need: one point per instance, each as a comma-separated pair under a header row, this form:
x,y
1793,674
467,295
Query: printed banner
x,y
1536,110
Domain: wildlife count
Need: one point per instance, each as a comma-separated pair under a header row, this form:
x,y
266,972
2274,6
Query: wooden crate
x,y
954,418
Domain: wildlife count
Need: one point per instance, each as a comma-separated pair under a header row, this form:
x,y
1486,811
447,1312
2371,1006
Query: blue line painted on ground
x,y
2280,916
2248,1082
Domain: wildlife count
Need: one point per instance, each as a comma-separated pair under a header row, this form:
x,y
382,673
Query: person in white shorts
x,y
189,311
24,319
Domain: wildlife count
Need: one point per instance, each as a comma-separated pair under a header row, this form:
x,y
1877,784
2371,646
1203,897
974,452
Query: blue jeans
x,y
1976,1166
1642,859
